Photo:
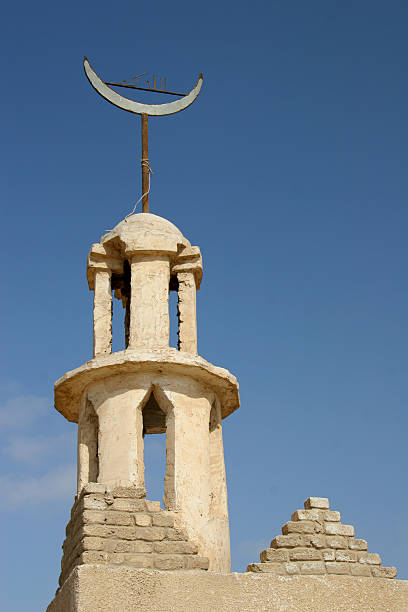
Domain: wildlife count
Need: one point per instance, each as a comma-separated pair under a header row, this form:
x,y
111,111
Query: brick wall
x,y
315,542
121,527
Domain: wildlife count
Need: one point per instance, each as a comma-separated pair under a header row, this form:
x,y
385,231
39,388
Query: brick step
x,y
120,526
315,542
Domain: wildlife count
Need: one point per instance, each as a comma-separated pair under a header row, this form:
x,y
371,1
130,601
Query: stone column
x,y
149,302
219,523
187,312
102,313
188,468
120,442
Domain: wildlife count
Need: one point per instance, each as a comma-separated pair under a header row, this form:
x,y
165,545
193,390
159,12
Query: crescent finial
x,y
137,107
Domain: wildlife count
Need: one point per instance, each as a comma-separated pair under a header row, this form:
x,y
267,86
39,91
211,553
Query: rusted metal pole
x,y
145,163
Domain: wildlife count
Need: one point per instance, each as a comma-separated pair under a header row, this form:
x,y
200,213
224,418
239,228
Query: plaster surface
x,y
70,387
145,232
91,588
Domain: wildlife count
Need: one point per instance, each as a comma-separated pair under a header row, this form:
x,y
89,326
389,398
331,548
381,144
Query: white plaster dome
x,y
146,232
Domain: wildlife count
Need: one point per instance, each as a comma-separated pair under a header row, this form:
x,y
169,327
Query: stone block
x,y
274,554
288,541
153,506
369,558
356,569
145,561
169,562
176,534
97,531
163,519
117,558
292,569
109,498
383,572
138,546
337,568
94,487
331,516
129,492
109,517
150,534
305,554
336,542
355,544
127,546
143,520
93,517
301,527
197,562
328,555
278,569
129,504
93,544
312,567
321,503
94,502
347,556
175,548
317,541
339,529
307,515
111,531
93,556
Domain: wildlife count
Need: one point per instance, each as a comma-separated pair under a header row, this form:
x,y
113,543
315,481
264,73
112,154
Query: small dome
x,y
146,232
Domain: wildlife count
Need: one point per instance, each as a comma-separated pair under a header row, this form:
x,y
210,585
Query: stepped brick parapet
x,y
315,542
121,527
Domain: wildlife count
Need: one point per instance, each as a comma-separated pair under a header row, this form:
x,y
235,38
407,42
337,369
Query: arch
x,y
154,419
158,417
88,455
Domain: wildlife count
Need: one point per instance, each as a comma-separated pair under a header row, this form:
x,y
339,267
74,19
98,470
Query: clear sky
x,y
290,174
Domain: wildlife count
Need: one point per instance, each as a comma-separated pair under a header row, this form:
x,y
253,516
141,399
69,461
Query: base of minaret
x,y
109,588
119,398
121,527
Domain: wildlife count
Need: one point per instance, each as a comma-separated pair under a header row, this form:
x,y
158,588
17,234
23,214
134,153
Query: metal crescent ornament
x,y
132,106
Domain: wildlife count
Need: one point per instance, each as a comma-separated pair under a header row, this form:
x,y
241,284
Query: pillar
x,y
120,439
219,523
102,313
187,312
149,302
187,482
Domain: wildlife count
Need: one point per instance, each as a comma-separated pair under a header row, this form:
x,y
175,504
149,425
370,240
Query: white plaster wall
x,y
102,313
149,302
195,487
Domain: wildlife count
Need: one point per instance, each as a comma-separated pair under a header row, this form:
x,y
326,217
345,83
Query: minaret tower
x,y
117,398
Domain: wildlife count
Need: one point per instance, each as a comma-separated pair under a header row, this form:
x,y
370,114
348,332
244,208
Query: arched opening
x,y
88,469
173,312
154,434
121,308
93,445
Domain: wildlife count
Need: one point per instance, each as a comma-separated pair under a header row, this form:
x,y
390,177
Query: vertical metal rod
x,y
145,163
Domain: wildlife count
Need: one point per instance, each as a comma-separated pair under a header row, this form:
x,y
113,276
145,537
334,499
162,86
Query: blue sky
x,y
290,174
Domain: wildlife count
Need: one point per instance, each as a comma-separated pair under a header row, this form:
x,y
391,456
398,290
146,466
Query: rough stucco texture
x,y
93,588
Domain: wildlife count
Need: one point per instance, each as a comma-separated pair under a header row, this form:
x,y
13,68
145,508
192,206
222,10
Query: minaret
x,y
119,397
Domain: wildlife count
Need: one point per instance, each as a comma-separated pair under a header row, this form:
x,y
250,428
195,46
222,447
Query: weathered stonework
x,y
315,542
124,553
149,388
121,527
108,588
